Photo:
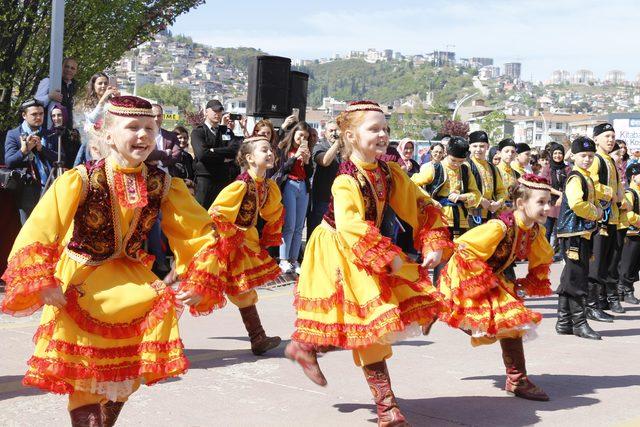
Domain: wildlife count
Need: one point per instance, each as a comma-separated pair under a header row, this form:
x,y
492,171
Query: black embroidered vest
x,y
97,232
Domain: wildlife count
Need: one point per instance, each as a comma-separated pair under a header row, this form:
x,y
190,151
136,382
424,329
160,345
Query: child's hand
x,y
189,297
396,264
432,259
53,296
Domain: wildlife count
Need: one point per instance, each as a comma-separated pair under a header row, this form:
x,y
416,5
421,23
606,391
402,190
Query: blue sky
x,y
542,34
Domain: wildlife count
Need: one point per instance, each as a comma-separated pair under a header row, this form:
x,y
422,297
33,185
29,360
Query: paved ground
x,y
439,380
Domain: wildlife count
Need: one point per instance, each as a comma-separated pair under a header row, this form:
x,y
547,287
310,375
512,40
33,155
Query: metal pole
x,y
455,111
57,43
544,130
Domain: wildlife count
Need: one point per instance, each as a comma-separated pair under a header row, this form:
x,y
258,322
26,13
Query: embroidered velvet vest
x,y
97,232
371,211
254,199
515,245
569,223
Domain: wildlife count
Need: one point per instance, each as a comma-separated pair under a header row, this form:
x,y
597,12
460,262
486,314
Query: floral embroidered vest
x,y
254,199
375,186
97,232
515,245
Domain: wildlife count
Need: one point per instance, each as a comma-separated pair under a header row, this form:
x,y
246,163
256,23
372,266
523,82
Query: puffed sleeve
x,y
603,191
416,208
468,271
193,240
582,208
37,248
537,283
425,176
273,213
372,251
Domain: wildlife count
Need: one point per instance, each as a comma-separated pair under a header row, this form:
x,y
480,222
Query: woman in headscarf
x,y
69,139
406,148
558,172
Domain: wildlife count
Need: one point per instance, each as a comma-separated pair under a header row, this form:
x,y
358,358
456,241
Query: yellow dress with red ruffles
x,y
346,296
119,326
246,263
481,300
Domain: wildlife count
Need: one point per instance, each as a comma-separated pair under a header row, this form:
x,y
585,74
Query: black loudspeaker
x,y
298,84
268,93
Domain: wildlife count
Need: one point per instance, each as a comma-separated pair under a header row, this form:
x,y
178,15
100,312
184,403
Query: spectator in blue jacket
x,y
27,152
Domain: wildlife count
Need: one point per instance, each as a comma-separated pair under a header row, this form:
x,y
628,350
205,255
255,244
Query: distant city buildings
x,y
512,70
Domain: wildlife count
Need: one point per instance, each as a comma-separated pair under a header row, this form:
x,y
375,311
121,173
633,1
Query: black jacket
x,y
219,164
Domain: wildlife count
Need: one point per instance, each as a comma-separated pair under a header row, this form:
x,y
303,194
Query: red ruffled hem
x,y
387,283
24,281
162,305
488,321
534,285
115,352
472,286
252,278
351,336
50,374
374,252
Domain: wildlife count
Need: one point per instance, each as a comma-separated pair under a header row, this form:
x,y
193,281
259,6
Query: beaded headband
x,y
130,106
534,182
256,139
363,106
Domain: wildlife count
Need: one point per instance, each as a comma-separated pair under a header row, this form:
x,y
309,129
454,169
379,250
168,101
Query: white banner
x,y
628,130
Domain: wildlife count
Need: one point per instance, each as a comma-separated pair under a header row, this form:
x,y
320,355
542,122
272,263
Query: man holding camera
x,y
326,155
28,158
215,149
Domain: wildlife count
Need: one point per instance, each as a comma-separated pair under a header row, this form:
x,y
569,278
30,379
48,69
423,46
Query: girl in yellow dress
x,y
356,289
108,322
482,301
246,262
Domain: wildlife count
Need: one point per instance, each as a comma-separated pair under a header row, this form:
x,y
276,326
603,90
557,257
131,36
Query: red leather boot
x,y
87,416
379,382
306,356
110,412
518,383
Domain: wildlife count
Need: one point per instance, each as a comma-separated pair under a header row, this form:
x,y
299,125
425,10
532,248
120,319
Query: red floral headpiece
x,y
130,106
363,106
535,182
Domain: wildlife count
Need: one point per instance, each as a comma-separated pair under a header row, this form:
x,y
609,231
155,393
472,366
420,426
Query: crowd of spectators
x,y
306,165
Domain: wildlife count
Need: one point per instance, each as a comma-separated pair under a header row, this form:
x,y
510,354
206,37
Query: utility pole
x,y
57,43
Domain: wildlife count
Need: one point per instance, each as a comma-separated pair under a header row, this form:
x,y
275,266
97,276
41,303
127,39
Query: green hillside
x,y
384,82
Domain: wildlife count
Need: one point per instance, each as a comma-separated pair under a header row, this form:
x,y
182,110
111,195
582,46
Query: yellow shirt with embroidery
x,y
575,198
606,190
631,217
516,167
508,175
452,183
490,191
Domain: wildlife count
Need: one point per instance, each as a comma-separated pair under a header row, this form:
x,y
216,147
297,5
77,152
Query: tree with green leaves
x,y
168,95
97,34
493,125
